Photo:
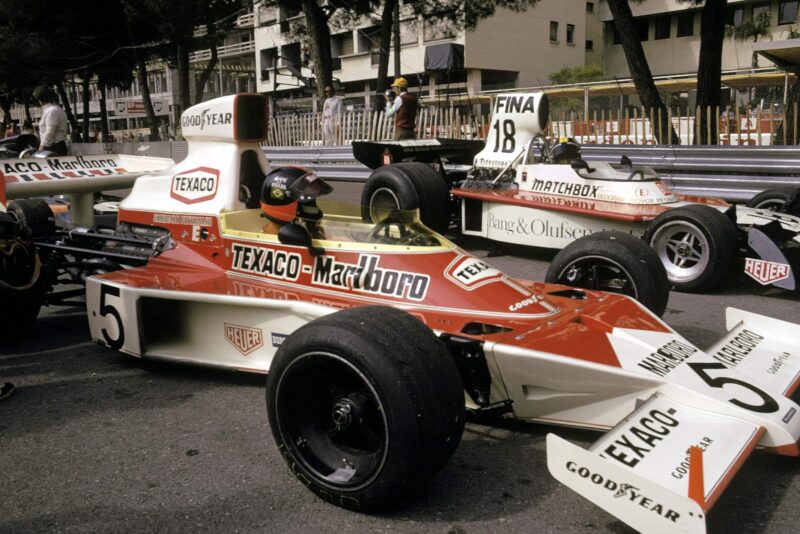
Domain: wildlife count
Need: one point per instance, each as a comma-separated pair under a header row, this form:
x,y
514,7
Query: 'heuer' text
x,y
367,277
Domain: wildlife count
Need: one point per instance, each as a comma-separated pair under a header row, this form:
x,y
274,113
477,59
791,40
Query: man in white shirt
x,y
53,123
331,111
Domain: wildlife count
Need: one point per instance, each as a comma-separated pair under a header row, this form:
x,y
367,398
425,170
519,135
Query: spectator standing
x,y
404,109
53,123
331,113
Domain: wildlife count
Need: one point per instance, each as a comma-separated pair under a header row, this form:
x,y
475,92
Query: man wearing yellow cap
x,y
404,109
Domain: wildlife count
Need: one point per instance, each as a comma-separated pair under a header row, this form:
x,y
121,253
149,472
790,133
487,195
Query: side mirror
x,y
294,234
580,165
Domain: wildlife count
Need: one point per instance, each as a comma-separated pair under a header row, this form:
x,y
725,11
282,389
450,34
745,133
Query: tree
x,y
640,71
709,67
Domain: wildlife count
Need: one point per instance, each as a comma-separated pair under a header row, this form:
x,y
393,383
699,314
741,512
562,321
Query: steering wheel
x,y
384,227
539,141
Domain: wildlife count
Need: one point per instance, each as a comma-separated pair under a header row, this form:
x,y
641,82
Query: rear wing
x,y
455,151
78,176
662,468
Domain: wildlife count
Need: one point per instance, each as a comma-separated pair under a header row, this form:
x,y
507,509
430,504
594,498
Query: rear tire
x,y
35,214
408,186
614,262
697,245
365,405
771,199
22,288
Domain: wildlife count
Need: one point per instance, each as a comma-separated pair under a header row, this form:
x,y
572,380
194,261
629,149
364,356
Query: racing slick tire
x,y
771,199
35,214
22,286
615,262
365,405
408,186
697,245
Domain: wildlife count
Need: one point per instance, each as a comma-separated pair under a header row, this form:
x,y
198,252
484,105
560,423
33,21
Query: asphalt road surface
x,y
96,441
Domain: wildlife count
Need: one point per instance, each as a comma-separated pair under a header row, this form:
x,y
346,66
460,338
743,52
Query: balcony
x,y
245,21
230,50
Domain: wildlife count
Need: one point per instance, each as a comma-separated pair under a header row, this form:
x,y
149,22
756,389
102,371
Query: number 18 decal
x,y
108,309
509,131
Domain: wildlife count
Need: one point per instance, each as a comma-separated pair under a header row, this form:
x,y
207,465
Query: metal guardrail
x,y
734,173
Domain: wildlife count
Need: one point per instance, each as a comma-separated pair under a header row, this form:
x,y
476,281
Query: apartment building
x,y
506,51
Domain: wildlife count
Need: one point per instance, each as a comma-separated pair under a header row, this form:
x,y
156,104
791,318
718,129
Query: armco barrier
x,y
731,172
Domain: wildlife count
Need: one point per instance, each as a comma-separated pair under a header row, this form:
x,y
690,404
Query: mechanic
x,y
289,193
565,151
404,109
53,124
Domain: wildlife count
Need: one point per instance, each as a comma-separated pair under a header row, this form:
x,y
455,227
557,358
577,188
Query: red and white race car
x,y
521,189
375,334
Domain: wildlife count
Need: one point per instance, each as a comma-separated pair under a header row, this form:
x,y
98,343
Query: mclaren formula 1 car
x,y
522,189
376,335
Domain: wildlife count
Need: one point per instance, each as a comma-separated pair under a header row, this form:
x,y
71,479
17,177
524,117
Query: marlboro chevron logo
x,y
244,338
766,272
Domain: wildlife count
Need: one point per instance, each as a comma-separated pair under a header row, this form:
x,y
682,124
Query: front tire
x,y
771,199
365,405
614,262
407,186
697,245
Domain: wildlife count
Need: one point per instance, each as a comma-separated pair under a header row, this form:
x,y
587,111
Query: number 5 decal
x,y
769,405
108,309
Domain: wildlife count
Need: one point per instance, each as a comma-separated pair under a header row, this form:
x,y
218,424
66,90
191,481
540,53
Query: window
x,y
787,11
570,34
439,30
589,45
553,31
760,8
643,28
663,27
590,7
409,33
614,33
685,24
735,16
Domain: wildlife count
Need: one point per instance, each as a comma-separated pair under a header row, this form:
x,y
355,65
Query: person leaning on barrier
x,y
53,123
404,109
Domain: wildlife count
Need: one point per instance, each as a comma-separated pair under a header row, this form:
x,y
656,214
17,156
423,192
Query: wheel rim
x,y
771,204
599,273
382,202
332,419
683,249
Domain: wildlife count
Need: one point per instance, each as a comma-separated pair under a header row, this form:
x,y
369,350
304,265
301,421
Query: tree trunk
x,y
200,84
396,31
792,99
5,104
152,120
73,122
182,62
319,43
85,87
27,104
640,71
709,68
103,112
387,16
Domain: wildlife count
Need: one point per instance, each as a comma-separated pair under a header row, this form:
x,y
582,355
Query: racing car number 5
x,y
768,404
107,309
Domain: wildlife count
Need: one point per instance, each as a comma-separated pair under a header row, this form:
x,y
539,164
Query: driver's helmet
x,y
565,150
289,192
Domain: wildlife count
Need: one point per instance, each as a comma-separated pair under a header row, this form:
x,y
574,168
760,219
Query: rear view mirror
x,y
294,234
580,164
